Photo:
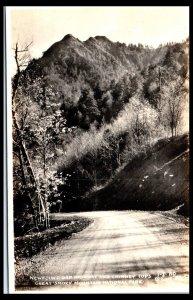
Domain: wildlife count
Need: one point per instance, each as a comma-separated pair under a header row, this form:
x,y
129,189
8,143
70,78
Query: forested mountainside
x,y
94,79
85,109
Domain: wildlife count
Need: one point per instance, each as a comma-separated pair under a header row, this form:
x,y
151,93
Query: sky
x,y
127,24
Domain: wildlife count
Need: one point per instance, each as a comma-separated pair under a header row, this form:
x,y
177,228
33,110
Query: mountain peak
x,y
68,37
91,39
102,38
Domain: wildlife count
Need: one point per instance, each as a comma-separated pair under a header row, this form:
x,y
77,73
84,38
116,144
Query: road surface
x,y
120,251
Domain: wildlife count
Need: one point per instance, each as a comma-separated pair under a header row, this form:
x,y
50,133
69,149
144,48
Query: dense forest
x,y
83,111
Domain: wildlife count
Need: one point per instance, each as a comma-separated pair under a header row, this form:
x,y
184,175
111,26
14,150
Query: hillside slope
x,y
158,181
69,66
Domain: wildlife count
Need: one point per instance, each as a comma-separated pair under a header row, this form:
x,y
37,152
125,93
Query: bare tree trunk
x,y
175,130
22,168
172,130
35,195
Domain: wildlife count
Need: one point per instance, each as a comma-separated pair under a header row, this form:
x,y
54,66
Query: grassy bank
x,y
28,245
28,248
156,180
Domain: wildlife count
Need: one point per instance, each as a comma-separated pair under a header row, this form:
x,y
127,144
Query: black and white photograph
x,y
98,149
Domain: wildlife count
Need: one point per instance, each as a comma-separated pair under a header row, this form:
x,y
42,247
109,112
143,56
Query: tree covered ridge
x,y
86,108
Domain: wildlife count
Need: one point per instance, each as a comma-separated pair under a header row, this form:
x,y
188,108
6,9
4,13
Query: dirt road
x,y
120,251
